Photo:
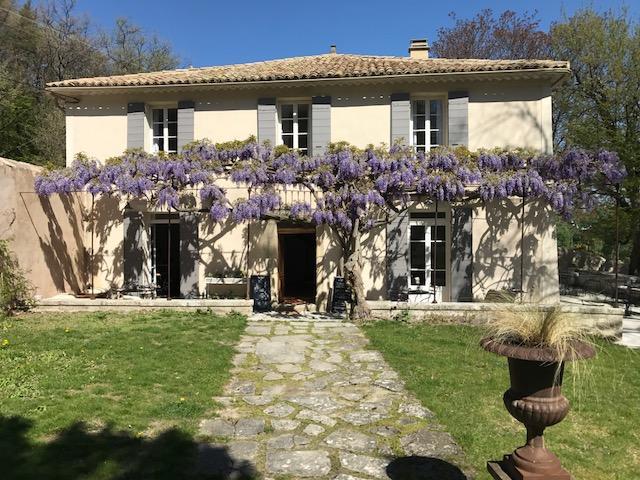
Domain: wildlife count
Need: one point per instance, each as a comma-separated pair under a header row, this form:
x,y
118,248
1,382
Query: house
x,y
306,103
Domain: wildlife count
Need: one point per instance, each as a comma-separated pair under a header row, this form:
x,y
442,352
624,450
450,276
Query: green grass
x,y
107,395
447,370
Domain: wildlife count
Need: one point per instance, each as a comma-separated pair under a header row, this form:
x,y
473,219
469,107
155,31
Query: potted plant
x,y
537,342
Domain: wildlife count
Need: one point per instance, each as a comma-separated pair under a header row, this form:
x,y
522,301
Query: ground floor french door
x,y
165,255
429,257
297,264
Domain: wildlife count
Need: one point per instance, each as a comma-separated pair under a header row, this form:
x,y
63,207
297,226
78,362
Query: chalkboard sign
x,y
341,295
260,292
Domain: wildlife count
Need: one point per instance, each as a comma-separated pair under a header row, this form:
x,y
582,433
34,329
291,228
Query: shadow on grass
x,y
423,468
79,453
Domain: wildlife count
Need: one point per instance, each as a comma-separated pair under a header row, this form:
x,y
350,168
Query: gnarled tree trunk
x,y
360,310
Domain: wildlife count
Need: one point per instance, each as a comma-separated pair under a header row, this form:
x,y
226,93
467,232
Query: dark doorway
x,y
165,240
297,265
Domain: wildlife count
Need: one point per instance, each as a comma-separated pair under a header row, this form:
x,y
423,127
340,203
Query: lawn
x,y
107,395
447,370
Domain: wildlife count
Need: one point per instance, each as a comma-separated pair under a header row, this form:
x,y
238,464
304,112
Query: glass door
x,y
428,259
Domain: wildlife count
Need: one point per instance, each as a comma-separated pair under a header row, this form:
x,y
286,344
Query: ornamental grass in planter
x,y
537,342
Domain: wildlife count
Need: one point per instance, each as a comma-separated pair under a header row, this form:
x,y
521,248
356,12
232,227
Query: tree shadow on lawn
x,y
79,453
423,468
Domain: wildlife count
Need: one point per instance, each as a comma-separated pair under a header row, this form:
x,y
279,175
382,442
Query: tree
x,y
600,107
130,50
509,36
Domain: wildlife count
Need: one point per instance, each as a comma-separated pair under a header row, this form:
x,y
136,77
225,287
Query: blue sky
x,y
235,31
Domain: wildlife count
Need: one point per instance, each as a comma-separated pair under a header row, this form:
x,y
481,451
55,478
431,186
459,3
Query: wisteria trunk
x,y
353,274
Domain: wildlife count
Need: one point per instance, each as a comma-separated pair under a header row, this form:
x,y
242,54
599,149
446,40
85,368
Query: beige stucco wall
x,y
44,233
497,254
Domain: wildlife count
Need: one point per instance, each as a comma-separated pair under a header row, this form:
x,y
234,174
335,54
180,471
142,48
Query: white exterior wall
x,y
501,114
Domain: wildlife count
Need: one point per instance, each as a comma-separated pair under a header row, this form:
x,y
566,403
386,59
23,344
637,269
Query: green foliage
x,y
15,290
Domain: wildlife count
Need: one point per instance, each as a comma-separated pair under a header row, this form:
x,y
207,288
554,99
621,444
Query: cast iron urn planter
x,y
534,399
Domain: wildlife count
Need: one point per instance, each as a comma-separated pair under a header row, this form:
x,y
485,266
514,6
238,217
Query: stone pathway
x,y
308,400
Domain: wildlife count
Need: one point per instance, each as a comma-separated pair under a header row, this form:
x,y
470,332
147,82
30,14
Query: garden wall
x,y
45,234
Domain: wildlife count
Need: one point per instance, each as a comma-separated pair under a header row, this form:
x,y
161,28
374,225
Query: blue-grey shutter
x,y
400,118
398,256
133,256
136,122
186,111
458,112
267,120
461,254
320,124
189,255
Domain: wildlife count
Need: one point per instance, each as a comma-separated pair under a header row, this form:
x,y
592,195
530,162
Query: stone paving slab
x,y
308,400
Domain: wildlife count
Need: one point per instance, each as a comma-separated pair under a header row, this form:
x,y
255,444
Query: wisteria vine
x,y
346,186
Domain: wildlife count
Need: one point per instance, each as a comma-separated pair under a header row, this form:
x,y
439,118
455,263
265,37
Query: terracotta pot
x,y
535,399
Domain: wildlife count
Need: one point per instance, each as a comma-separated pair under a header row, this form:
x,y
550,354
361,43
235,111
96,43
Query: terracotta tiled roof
x,y
312,67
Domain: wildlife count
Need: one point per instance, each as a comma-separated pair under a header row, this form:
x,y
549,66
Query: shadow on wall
x,y
65,271
327,267
78,452
499,254
108,261
375,263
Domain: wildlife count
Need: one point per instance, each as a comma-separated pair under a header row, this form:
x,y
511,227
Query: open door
x,y
297,265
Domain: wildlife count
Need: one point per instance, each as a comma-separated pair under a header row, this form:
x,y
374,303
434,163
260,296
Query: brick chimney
x,y
419,48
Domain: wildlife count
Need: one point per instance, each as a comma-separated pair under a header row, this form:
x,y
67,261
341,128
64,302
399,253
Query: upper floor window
x,y
165,130
426,125
294,126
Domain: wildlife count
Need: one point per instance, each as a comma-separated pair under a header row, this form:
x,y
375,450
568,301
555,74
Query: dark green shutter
x,y
320,125
189,255
186,113
458,123
461,254
267,120
398,256
136,124
133,256
400,118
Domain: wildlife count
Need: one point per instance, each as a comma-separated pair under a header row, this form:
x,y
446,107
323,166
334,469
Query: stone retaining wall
x,y
244,307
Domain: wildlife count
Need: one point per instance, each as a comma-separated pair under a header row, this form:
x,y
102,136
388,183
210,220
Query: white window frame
x,y
296,132
424,293
427,121
165,129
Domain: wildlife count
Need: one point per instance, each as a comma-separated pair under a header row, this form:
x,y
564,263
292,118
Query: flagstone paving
x,y
308,400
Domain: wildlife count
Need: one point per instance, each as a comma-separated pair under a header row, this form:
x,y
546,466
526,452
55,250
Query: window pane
x,y
435,138
439,256
157,129
158,144
303,126
440,231
419,138
158,115
439,278
173,129
303,110
417,232
417,255
302,141
287,126
419,106
434,107
172,114
435,121
173,144
419,123
287,140
287,111
418,277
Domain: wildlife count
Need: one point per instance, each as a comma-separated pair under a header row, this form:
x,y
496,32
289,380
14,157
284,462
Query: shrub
x,y
16,293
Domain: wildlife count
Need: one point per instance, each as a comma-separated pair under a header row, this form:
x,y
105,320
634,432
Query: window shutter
x,y
133,247
136,122
398,257
400,118
186,113
267,120
458,119
189,255
461,254
320,124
